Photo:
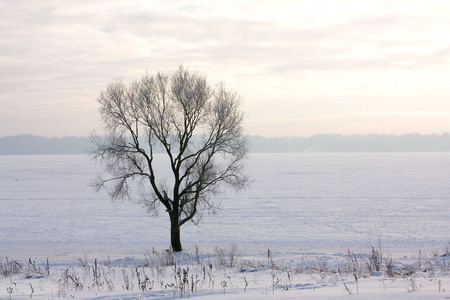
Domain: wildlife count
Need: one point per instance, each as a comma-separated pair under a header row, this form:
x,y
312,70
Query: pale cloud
x,y
292,60
374,122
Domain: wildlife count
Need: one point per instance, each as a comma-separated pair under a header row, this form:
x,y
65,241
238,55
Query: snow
x,y
206,279
303,207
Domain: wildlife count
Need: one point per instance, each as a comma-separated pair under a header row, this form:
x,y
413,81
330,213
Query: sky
x,y
303,67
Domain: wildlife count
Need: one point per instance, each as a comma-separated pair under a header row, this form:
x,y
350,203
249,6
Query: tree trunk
x,y
175,233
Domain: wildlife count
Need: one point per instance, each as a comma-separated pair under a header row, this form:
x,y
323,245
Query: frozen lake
x,y
297,203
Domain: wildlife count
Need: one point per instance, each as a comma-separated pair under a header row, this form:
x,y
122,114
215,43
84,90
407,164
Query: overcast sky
x,y
303,67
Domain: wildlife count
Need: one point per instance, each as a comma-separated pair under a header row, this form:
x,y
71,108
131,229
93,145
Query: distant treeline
x,y
354,143
34,145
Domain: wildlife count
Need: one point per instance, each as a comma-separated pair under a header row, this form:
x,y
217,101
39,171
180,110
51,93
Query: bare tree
x,y
198,127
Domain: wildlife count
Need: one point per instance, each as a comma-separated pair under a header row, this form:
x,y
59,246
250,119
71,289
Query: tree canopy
x,y
199,128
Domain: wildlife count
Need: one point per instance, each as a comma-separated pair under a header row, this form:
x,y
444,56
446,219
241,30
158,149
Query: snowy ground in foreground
x,y
159,275
303,207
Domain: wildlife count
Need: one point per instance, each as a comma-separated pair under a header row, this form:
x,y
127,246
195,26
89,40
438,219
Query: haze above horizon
x,y
359,67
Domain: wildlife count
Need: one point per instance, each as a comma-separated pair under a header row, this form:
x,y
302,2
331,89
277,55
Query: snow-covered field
x,y
308,209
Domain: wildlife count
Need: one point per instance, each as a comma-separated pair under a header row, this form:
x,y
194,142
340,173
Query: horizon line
x,y
257,135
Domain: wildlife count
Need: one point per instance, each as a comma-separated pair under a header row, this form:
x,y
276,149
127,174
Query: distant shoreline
x,y
321,143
